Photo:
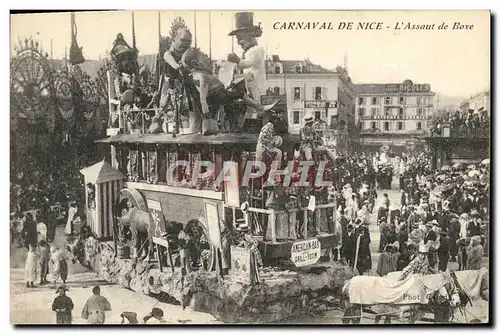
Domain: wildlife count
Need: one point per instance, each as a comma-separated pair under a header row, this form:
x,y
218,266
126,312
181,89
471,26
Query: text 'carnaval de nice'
x,y
348,25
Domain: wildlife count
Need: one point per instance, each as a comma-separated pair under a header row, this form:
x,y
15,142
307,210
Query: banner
x,y
158,227
306,252
240,264
212,216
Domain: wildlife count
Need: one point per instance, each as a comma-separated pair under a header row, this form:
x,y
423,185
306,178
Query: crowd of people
x,y
468,124
443,216
33,186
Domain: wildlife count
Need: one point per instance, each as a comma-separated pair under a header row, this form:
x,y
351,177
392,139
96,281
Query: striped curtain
x,y
106,198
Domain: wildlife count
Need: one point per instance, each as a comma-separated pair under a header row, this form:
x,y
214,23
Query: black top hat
x,y
244,23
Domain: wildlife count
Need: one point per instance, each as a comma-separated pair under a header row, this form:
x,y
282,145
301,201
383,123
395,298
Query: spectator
x,y
474,253
96,307
30,268
388,260
62,305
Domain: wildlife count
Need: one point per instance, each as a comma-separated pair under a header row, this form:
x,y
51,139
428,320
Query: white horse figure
x,y
409,299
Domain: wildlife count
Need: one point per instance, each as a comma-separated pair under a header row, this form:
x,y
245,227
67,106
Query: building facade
x,y
393,114
311,90
481,102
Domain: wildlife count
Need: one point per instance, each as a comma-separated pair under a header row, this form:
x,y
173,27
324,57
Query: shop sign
x,y
320,104
241,264
408,87
306,252
154,208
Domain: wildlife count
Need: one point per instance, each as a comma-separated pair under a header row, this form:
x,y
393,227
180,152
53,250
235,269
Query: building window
x,y
298,68
374,101
419,112
296,117
318,93
400,126
388,100
360,100
317,115
419,100
361,112
401,100
374,112
401,113
296,94
386,112
277,69
386,126
419,125
373,125
277,90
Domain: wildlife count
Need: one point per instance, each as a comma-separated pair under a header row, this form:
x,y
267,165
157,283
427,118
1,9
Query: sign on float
x,y
306,252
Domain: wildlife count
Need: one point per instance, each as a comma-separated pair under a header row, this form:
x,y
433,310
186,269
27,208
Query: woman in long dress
x,y
73,209
41,231
30,268
59,264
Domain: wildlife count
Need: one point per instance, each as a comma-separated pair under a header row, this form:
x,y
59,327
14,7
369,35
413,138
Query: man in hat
x,y
412,218
253,61
474,227
454,234
431,239
29,232
362,257
443,251
349,244
311,141
475,253
402,236
384,230
462,245
419,265
62,305
267,144
95,308
443,219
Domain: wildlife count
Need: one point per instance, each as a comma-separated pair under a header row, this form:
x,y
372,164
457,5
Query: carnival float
x,y
226,248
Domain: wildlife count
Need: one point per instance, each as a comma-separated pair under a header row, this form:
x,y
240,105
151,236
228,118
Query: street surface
x,y
33,306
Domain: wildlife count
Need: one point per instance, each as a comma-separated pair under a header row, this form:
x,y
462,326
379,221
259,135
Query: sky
x,y
453,62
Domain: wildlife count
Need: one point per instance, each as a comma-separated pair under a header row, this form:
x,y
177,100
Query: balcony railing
x,y
462,132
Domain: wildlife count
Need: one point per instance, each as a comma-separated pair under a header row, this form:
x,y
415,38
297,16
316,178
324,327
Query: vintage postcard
x,y
250,167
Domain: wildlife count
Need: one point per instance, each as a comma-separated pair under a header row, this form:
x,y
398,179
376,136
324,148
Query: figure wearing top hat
x,y
253,61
